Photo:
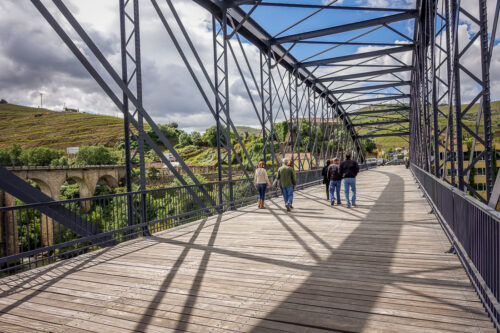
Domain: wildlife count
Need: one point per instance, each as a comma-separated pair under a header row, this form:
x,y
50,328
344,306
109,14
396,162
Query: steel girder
x,y
254,33
441,137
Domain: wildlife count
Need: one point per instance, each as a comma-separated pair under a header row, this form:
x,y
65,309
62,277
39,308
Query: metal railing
x,y
32,239
473,229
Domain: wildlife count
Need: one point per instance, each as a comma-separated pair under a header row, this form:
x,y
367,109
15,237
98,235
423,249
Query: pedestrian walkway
x,y
379,267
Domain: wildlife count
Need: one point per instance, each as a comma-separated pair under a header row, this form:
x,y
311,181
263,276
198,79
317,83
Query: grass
x,y
34,127
391,142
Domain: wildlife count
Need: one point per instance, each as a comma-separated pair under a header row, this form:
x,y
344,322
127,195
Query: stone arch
x,y
47,224
106,180
45,187
84,188
109,180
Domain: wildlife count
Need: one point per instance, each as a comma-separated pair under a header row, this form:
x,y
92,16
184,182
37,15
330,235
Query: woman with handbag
x,y
261,181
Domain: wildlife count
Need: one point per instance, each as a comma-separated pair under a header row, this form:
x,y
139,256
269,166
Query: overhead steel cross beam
x,y
356,56
403,108
383,135
373,87
346,27
389,122
378,99
365,74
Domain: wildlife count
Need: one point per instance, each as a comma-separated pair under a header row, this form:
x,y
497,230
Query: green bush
x,y
70,191
196,139
15,152
39,156
96,155
153,173
5,157
185,139
63,161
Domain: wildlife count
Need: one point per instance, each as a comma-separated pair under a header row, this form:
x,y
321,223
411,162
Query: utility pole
x,y
41,100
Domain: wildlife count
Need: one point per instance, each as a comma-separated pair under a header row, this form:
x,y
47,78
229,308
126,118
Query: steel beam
x,y
356,56
365,74
377,99
345,28
373,87
383,135
395,121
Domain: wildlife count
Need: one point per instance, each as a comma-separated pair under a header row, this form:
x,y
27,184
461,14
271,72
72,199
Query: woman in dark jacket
x,y
326,181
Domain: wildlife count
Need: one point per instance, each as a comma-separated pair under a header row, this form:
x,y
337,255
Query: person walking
x,y
326,180
261,181
335,179
349,170
288,181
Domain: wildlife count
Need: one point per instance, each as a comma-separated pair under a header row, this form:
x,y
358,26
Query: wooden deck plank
x,y
380,267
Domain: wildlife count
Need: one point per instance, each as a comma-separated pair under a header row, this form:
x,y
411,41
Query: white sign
x,y
72,150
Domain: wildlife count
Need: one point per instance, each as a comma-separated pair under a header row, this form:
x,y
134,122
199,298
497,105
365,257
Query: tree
x,y
210,136
185,139
196,139
281,130
369,145
3,101
63,161
15,153
39,156
96,155
4,157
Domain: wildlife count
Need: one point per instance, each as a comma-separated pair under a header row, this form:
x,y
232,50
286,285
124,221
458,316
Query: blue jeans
x,y
287,194
262,191
350,182
335,188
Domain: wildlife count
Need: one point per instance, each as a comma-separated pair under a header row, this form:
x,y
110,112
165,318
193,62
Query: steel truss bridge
x,y
297,74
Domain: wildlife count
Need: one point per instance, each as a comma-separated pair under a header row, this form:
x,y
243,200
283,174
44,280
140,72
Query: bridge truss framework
x,y
408,97
413,87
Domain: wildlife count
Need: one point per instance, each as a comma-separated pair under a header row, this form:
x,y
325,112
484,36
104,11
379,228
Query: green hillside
x,y
34,127
392,142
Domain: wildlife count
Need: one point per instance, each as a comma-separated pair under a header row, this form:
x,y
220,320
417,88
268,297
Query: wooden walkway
x,y
380,267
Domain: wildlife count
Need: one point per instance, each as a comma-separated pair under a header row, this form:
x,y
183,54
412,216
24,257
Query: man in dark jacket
x,y
335,179
349,170
326,181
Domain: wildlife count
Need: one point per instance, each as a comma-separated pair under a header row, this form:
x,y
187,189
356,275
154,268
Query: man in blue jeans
x,y
288,182
349,170
335,179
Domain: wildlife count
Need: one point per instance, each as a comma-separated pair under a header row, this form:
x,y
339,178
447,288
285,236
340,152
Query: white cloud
x,y
33,59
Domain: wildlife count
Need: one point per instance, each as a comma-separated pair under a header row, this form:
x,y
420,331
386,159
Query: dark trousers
x,y
262,191
335,188
327,185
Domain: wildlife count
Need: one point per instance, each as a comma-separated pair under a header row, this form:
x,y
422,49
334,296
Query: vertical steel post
x,y
217,116
126,52
435,107
140,119
450,138
485,56
125,110
458,101
270,109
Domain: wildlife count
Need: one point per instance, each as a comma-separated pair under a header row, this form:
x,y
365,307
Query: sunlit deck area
x,y
379,267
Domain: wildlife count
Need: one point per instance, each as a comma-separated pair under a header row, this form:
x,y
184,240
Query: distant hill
x,y
33,127
392,142
249,130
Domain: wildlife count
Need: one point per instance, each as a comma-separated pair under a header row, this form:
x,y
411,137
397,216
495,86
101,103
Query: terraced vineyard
x,y
33,127
392,142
